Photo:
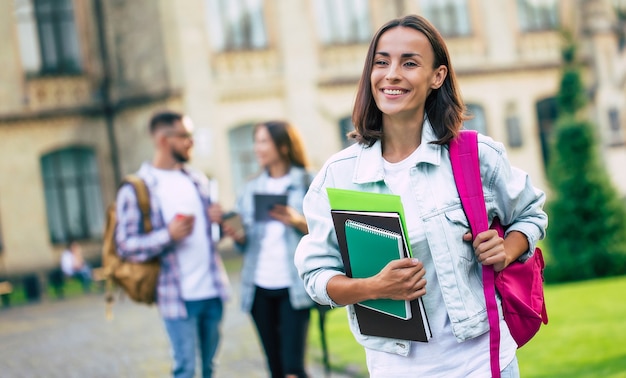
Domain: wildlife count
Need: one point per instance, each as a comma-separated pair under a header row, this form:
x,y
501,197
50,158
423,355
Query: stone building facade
x,y
80,78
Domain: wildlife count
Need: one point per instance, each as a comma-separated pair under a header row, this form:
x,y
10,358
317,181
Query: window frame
x,y
439,13
227,34
528,15
73,194
347,22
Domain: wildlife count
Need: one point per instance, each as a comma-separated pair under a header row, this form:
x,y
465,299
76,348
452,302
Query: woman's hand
x,y
491,249
290,217
401,279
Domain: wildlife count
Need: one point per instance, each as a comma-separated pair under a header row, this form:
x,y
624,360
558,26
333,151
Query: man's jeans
x,y
200,329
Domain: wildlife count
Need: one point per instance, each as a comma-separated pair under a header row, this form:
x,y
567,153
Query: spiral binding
x,y
371,229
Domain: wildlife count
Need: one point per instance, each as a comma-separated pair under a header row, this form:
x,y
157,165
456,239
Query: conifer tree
x,y
586,236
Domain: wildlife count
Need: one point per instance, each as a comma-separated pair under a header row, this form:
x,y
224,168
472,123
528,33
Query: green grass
x,y
585,336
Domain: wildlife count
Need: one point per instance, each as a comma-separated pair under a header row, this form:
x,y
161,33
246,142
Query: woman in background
x,y
271,290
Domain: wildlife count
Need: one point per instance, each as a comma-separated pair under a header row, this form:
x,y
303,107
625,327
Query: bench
x,y
5,290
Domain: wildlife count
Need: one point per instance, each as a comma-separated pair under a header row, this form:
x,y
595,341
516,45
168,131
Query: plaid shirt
x,y
137,246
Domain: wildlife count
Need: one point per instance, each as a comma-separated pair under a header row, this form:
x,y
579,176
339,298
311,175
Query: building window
x,y
620,11
1,241
538,15
450,17
241,143
547,114
615,138
73,196
236,24
47,36
478,121
343,22
345,127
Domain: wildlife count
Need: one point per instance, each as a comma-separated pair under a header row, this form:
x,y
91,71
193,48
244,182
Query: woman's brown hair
x,y
285,134
444,107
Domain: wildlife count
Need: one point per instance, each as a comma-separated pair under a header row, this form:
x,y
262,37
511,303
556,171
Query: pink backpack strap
x,y
466,170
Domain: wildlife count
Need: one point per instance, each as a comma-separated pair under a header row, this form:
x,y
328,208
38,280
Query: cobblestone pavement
x,y
71,338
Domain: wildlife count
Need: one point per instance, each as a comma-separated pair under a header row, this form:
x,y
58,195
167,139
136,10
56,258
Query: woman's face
x,y
402,72
264,148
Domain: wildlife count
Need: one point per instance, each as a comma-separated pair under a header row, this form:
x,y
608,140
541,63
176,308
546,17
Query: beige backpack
x,y
137,280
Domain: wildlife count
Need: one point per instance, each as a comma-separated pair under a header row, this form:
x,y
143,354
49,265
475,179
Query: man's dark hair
x,y
164,119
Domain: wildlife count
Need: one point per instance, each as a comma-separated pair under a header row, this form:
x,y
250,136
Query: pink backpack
x,y
520,285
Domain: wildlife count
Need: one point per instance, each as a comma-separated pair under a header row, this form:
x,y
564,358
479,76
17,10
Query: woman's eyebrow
x,y
403,55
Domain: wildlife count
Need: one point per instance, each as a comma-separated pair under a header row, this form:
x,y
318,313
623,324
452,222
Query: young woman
x,y
408,108
271,289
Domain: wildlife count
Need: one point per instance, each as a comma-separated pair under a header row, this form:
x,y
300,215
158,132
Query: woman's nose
x,y
393,72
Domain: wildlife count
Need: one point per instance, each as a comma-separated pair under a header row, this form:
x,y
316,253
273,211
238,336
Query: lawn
x,y
585,337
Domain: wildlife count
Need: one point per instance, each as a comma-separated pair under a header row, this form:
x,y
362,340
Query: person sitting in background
x,y
73,264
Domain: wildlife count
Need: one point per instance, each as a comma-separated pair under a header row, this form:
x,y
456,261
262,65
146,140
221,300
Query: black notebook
x,y
372,321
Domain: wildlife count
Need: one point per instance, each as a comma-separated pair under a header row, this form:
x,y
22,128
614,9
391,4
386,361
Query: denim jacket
x,y
509,195
251,250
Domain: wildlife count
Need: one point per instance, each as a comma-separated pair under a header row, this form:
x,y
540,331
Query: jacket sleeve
x,y
317,256
132,244
513,198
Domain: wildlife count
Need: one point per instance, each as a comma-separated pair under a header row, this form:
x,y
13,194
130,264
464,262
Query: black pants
x,y
283,331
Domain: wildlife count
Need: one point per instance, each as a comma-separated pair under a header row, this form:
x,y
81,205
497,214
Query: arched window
x,y
73,196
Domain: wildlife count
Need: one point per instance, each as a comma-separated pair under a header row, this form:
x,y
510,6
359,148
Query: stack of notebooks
x,y
371,232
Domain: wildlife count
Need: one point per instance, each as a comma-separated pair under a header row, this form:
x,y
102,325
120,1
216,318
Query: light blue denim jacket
x,y
251,250
509,195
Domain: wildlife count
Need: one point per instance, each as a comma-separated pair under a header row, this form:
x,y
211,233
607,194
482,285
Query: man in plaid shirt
x,y
192,282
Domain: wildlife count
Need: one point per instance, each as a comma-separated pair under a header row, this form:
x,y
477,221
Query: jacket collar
x,y
369,164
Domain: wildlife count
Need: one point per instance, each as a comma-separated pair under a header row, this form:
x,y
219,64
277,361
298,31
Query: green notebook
x,y
370,249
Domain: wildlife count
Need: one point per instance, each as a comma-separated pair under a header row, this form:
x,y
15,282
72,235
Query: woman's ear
x,y
439,77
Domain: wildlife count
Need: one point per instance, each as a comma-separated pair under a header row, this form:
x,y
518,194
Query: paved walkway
x,y
71,338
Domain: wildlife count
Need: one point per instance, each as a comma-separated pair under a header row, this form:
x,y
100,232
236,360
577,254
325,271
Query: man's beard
x,y
180,158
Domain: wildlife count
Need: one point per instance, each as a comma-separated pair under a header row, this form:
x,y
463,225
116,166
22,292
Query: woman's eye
x,y
380,62
410,64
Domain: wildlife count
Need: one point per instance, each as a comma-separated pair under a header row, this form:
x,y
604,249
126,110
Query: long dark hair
x,y
285,134
444,107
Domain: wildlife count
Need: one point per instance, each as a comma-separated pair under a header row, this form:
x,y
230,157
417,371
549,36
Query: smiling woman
x,y
407,110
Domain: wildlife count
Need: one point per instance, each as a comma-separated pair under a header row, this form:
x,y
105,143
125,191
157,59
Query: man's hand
x,y
181,226
215,213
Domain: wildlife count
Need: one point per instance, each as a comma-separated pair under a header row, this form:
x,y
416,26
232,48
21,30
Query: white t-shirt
x,y
272,270
178,194
443,355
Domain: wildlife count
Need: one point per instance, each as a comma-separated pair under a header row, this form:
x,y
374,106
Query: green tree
x,y
587,232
